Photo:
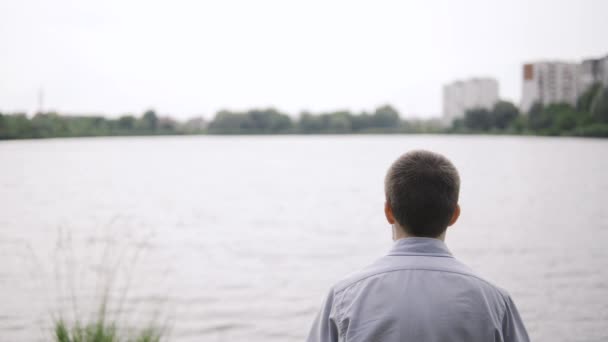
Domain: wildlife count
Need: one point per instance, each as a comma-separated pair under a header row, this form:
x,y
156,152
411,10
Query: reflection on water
x,y
242,236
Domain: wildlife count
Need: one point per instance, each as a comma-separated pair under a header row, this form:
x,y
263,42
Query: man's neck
x,y
399,233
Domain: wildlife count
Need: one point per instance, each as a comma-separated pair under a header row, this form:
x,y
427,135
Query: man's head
x,y
421,190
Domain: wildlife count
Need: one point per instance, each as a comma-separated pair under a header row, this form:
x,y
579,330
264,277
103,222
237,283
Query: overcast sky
x,y
188,58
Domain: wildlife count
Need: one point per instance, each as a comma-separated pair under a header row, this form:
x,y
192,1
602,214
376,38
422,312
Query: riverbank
x,y
587,119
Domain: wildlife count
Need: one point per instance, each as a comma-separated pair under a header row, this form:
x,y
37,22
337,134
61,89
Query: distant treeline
x,y
588,118
49,125
384,119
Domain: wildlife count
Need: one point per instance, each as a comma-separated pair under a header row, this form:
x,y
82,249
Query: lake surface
x,y
239,238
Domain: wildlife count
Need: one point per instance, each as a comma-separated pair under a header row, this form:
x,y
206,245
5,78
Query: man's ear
x,y
455,215
388,212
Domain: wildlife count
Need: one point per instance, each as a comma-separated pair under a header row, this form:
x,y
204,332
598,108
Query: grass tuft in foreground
x,y
112,321
101,331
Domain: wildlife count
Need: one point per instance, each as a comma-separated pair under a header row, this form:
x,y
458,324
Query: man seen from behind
x,y
418,292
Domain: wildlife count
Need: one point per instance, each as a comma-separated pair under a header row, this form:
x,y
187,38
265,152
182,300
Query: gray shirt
x,y
418,292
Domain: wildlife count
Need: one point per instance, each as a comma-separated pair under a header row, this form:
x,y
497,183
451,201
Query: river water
x,y
239,238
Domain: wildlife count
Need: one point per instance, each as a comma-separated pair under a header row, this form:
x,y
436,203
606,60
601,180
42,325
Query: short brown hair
x,y
422,190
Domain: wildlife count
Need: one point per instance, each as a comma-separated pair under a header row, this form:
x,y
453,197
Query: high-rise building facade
x,y
593,71
460,96
604,64
604,70
549,82
589,73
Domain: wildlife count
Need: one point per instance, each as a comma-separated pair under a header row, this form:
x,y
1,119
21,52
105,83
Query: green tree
x,y
255,121
585,101
196,125
46,125
261,120
478,119
361,122
269,121
504,113
281,123
458,125
554,119
16,126
226,122
565,119
149,121
167,125
339,122
100,126
519,124
599,107
5,121
309,123
538,118
385,117
599,130
126,123
79,126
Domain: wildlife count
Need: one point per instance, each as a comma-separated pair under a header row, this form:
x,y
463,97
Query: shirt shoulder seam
x,y
348,285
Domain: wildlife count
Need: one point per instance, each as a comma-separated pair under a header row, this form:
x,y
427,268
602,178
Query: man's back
x,y
418,292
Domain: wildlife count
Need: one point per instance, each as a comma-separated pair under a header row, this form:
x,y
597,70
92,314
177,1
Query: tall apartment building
x,y
604,68
460,96
593,71
549,82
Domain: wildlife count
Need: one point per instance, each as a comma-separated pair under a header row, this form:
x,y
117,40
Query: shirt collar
x,y
420,246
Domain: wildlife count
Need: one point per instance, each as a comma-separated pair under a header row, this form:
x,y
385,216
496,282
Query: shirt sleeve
x,y
325,328
513,329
